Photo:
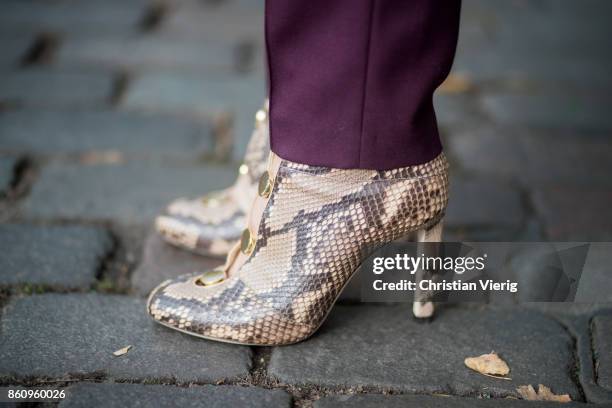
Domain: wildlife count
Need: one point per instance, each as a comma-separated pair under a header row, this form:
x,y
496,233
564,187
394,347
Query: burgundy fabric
x,y
351,81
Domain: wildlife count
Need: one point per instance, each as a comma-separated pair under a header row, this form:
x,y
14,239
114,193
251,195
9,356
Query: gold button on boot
x,y
265,185
247,242
210,278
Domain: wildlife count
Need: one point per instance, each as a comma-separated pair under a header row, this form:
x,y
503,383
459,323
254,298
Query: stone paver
x,y
526,155
595,279
577,160
240,97
488,150
553,41
57,256
174,93
7,172
161,261
574,213
420,401
483,201
384,347
118,395
40,87
149,53
234,22
602,349
521,70
74,18
56,335
67,131
129,194
456,110
13,47
550,111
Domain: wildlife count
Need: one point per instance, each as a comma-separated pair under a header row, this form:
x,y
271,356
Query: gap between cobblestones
x,y
526,199
574,369
593,350
24,174
223,137
593,391
244,56
120,86
42,50
577,374
154,16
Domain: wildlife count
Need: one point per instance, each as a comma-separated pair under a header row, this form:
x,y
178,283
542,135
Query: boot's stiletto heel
x,y
423,308
307,232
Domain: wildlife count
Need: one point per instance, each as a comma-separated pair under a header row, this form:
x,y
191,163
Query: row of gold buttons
x,y
247,240
264,189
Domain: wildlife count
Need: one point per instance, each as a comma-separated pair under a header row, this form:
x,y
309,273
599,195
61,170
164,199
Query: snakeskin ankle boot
x,y
211,224
307,231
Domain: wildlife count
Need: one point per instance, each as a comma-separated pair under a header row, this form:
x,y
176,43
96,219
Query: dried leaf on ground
x,y
488,364
122,351
543,394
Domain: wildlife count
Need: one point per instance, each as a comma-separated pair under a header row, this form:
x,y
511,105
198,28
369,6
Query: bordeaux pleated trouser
x,y
351,81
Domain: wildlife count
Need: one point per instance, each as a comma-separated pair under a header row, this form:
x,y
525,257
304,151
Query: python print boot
x,y
211,224
308,230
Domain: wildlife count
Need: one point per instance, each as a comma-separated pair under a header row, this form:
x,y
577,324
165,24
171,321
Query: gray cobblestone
x,y
68,131
483,202
574,213
549,110
383,347
534,158
456,111
14,47
148,53
166,92
162,261
577,160
122,395
234,22
47,87
488,150
58,256
492,65
240,97
550,42
107,192
58,335
595,283
421,401
70,17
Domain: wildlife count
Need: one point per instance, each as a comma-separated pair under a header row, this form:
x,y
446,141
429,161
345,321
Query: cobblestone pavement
x,y
110,108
